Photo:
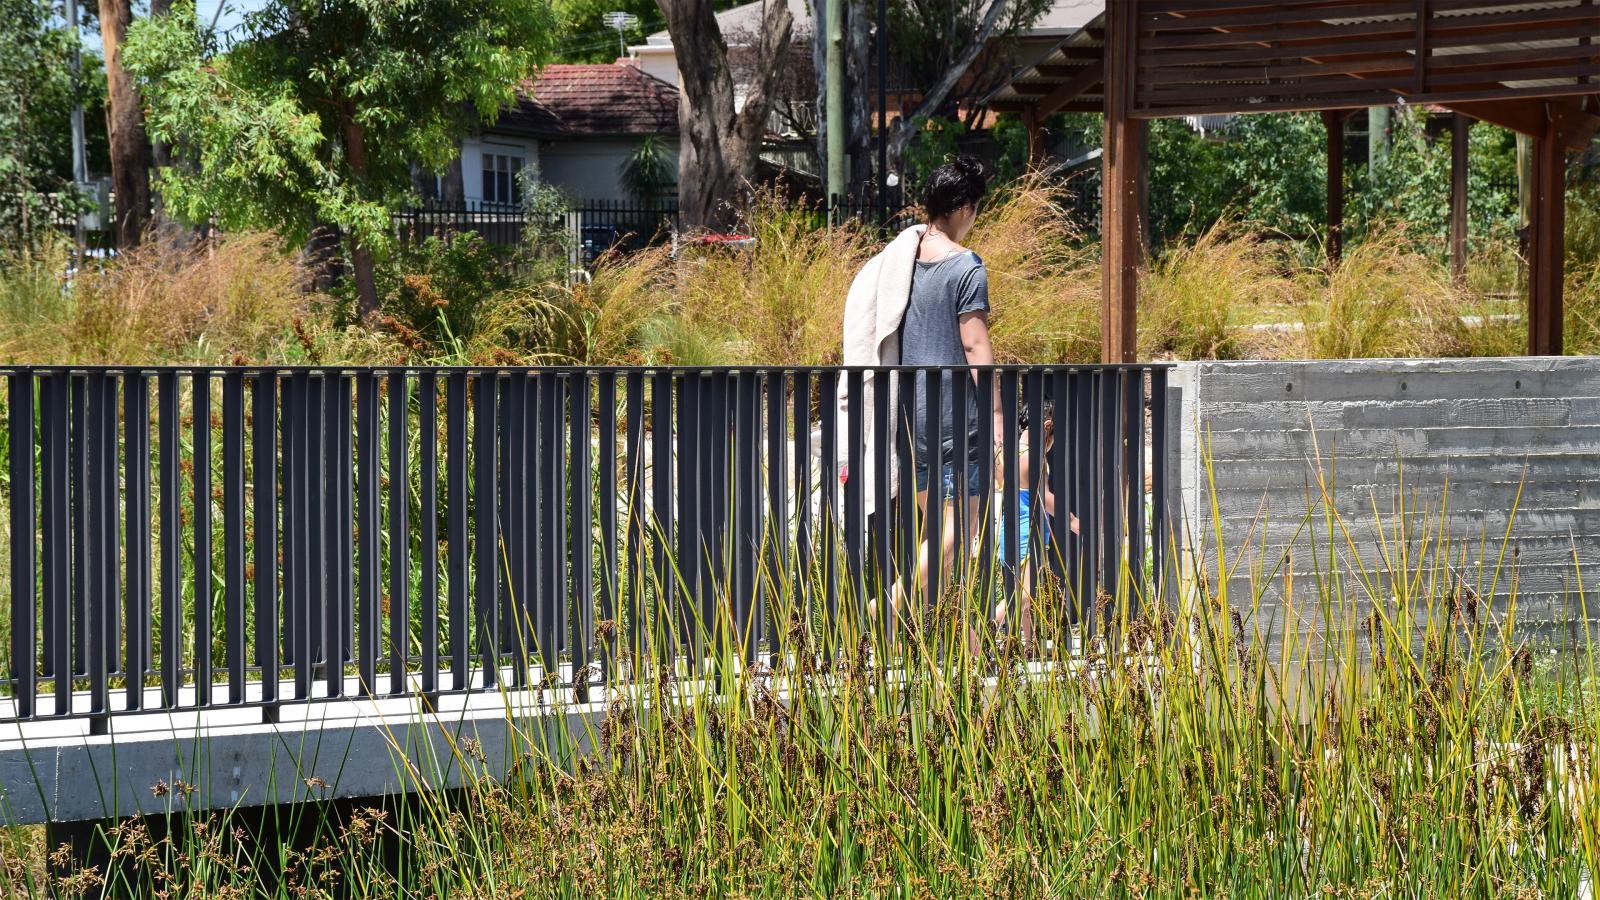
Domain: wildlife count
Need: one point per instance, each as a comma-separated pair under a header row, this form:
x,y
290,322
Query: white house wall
x,y
592,169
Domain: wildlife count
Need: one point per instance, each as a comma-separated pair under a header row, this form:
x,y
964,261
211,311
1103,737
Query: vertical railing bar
x,y
368,534
515,517
882,490
933,462
987,539
56,451
300,525
546,437
805,557
828,414
560,596
661,435
79,521
606,422
690,485
1060,514
1088,441
960,434
1133,430
339,620
854,496
1010,498
428,525
24,577
747,425
1159,455
201,455
98,551
399,531
456,525
1111,486
486,521
582,533
233,575
1033,395
907,514
505,553
137,616
778,586
637,514
265,553
538,606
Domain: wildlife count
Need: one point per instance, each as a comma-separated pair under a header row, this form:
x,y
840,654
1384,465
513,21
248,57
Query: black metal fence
x,y
587,232
185,538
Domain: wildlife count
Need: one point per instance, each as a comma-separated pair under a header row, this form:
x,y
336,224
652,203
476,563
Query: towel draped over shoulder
x,y
873,311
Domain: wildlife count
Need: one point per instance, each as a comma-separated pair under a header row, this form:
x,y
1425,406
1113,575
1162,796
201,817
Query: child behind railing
x,y
1032,507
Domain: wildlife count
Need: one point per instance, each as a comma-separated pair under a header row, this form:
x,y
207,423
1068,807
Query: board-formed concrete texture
x,y
1478,438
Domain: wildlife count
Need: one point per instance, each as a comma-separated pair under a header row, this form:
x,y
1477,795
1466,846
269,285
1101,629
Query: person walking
x,y
924,301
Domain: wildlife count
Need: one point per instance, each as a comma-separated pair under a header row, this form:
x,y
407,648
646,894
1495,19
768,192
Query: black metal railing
x,y
185,538
588,231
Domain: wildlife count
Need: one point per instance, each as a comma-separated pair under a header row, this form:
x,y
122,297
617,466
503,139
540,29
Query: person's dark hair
x,y
953,185
1047,413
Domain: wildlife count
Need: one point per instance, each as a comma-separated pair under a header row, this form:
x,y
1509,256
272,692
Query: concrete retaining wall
x,y
1476,437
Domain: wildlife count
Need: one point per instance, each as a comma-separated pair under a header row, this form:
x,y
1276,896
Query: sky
x,y
228,13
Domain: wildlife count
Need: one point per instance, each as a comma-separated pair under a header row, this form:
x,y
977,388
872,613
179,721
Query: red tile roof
x,y
594,100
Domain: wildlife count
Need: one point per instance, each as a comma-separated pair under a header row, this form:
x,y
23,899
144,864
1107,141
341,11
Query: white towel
x,y
873,311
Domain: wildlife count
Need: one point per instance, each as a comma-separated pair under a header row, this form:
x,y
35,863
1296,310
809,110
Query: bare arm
x,y
975,341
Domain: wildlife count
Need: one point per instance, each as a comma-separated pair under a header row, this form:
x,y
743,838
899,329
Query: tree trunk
x,y
355,148
858,108
130,148
719,146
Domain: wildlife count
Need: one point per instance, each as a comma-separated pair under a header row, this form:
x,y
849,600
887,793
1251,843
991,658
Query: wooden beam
x,y
1547,244
1121,251
1091,75
1574,124
1459,124
1333,121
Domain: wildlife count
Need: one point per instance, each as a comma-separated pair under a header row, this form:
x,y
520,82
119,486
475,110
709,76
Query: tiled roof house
x,y
578,123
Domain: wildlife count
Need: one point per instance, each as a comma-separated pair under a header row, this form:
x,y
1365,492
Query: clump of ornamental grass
x,y
1383,298
1199,298
1421,745
164,301
1044,287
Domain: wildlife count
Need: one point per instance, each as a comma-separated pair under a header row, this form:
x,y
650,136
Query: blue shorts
x,y
974,487
1025,517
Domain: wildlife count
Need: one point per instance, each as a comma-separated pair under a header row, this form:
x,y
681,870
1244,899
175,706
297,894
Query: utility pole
x,y
883,113
834,61
80,163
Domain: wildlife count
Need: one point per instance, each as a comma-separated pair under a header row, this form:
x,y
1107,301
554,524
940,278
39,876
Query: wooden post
x,y
1333,121
1121,253
1547,243
1458,196
1034,123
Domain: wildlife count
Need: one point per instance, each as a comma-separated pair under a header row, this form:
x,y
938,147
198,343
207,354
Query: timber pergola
x,y
1532,66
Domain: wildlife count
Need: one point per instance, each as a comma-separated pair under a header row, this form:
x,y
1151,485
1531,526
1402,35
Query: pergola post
x,y
1121,234
1458,196
1547,243
1033,122
1333,121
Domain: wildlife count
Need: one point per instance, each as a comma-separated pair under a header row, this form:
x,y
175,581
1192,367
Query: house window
x,y
500,179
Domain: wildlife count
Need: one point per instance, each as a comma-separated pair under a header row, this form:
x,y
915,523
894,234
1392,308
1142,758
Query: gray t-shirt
x,y
930,335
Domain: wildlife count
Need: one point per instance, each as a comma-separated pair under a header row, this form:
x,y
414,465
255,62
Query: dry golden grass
x,y
1199,298
234,300
1044,288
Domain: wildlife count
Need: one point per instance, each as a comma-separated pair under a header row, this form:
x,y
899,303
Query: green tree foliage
x,y
584,36
315,114
1411,183
647,172
36,99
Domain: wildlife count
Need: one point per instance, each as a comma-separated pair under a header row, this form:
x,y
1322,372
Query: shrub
x,y
434,292
1383,298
